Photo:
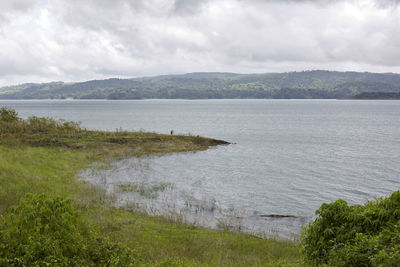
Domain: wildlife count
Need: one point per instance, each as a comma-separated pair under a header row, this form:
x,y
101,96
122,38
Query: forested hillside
x,y
209,85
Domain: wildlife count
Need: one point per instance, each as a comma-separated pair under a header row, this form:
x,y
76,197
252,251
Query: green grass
x,y
28,164
27,169
53,170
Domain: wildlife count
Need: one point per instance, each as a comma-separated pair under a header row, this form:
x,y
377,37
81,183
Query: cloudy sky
x,y
76,40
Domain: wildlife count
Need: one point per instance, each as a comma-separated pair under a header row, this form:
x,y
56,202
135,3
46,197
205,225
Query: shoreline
x,y
48,163
164,197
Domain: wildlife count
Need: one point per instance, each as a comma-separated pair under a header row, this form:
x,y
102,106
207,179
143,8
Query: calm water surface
x,y
287,156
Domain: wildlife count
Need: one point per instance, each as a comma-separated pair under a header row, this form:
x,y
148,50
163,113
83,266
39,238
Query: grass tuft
x,y
145,190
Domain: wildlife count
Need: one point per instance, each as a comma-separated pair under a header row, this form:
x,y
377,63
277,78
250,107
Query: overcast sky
x,y
76,40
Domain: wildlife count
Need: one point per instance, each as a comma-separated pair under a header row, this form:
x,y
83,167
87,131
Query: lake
x,y
287,157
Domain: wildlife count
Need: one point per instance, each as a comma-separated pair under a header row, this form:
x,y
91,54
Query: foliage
x,y
44,231
305,84
377,95
12,124
360,235
8,115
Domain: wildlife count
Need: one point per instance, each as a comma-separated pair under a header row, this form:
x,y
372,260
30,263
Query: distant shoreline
x,y
187,99
317,84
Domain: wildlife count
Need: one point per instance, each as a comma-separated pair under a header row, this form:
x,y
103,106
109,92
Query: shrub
x,y
8,115
44,231
9,120
359,235
10,123
48,125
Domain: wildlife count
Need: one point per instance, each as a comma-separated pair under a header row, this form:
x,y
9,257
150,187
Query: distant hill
x,y
214,85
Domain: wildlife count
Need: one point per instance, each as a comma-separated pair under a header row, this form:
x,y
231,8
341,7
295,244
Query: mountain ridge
x,y
215,85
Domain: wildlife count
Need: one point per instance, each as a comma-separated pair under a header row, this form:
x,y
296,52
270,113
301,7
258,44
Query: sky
x,y
76,40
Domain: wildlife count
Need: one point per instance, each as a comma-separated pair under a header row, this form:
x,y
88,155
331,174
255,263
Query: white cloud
x,y
75,40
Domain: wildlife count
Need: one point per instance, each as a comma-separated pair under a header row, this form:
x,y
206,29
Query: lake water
x,y
287,156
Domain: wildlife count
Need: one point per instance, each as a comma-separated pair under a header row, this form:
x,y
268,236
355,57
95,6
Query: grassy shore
x,y
43,156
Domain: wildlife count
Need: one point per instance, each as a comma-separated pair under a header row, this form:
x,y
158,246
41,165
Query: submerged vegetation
x,y
48,217
147,191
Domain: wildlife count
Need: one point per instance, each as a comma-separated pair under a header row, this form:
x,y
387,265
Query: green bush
x,y
359,235
8,115
11,124
9,120
43,231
